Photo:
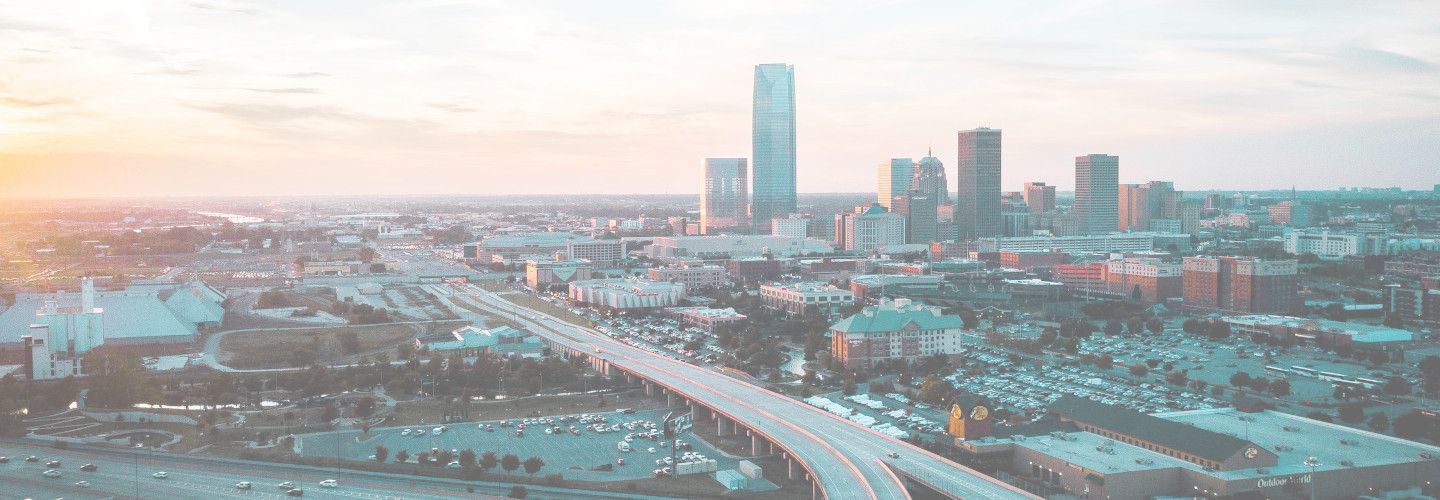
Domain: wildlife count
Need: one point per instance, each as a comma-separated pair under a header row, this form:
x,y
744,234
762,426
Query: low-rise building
x,y
627,293
794,299
1029,261
545,273
693,277
870,287
754,269
1145,279
1325,333
897,330
469,341
710,319
829,269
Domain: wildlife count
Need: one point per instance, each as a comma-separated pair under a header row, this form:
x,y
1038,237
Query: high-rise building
x,y
1039,197
1097,185
773,144
921,216
1141,203
930,179
893,179
977,200
725,198
1240,284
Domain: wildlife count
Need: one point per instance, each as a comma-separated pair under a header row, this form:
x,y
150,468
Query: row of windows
x,y
1155,448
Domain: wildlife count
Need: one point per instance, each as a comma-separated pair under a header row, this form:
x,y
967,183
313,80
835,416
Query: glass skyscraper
x,y
773,144
725,195
1097,193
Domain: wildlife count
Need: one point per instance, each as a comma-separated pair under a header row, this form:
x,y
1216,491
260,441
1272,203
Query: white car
x,y
242,485
453,465
405,432
329,483
419,432
160,475
51,473
83,484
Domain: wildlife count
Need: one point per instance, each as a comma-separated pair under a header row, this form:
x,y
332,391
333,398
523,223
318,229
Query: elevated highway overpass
x,y
842,460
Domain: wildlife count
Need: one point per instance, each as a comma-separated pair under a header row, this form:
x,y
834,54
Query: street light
x,y
1313,463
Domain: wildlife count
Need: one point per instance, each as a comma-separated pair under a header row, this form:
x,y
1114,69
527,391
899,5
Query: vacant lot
x,y
277,348
546,307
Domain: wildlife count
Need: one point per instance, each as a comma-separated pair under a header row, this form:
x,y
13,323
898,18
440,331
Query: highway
x,y
849,461
127,473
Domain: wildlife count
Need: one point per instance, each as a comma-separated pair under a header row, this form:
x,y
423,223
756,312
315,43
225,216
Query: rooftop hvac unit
x,y
1347,463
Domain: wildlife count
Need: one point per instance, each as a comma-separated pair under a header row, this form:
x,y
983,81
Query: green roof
x,y
889,318
1166,433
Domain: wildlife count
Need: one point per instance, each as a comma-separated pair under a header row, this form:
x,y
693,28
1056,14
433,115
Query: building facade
x,y
725,197
1240,284
1144,279
930,179
693,277
773,144
892,331
793,299
546,273
1097,197
921,216
977,197
873,228
627,293
893,179
1039,197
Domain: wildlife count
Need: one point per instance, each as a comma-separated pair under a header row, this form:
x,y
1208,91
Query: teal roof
x,y
875,208
196,305
889,318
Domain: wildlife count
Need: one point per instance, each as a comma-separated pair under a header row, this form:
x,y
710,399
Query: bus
x,y
1305,371
1277,370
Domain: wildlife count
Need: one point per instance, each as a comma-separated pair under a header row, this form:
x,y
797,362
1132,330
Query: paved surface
x,y
847,459
560,451
127,474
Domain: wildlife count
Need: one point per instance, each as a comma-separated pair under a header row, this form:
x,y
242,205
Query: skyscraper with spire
x,y
772,144
930,179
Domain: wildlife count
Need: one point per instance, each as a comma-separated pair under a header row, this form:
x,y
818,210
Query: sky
x,y
239,97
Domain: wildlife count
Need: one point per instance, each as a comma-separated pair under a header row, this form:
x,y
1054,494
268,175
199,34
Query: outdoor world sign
x,y
1268,482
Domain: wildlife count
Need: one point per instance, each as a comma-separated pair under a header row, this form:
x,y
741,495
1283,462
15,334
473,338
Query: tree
x,y
329,412
1430,370
1409,426
1321,416
1191,326
1138,370
533,465
1379,421
364,407
509,462
1352,413
1378,357
1176,377
517,491
402,456
934,389
423,457
1105,362
367,254
1280,387
467,458
1240,379
1113,327
1397,386
488,461
381,453
1155,325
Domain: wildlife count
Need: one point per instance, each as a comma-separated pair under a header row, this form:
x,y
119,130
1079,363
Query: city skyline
x,y
174,95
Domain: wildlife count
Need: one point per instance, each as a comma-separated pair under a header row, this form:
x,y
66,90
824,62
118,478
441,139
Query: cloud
x,y
287,90
451,107
236,7
21,102
307,74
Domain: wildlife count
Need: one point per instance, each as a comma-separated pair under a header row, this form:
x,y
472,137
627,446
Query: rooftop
x,y
1174,435
894,315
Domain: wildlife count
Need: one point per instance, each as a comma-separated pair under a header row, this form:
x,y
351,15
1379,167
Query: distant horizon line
x,y
1347,189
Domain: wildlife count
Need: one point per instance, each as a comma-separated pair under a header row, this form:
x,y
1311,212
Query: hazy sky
x,y
139,98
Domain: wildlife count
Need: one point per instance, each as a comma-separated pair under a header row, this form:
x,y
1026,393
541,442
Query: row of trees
x,y
467,459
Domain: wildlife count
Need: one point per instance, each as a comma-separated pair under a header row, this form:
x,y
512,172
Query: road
x,y
126,473
847,459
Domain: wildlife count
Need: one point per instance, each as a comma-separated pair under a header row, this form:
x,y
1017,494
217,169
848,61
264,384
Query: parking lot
x,y
576,454
892,414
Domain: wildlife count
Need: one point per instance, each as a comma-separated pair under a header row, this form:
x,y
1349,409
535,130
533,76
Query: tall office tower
x,y
725,196
1097,186
977,202
773,144
930,179
921,216
1142,203
893,179
1039,197
1190,210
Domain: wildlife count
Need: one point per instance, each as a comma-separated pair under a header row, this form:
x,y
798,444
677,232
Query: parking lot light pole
x,y
1313,463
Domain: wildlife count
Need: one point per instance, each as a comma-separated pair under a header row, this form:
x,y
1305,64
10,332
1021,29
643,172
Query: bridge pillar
x,y
815,490
790,469
754,444
669,399
649,389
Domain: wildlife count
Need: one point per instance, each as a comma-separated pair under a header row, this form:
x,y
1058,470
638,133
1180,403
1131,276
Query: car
x,y
83,484
405,432
242,485
418,432
51,473
619,461
892,455
287,485
160,475
4,460
53,464
329,483
454,464
295,492
32,458
88,468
